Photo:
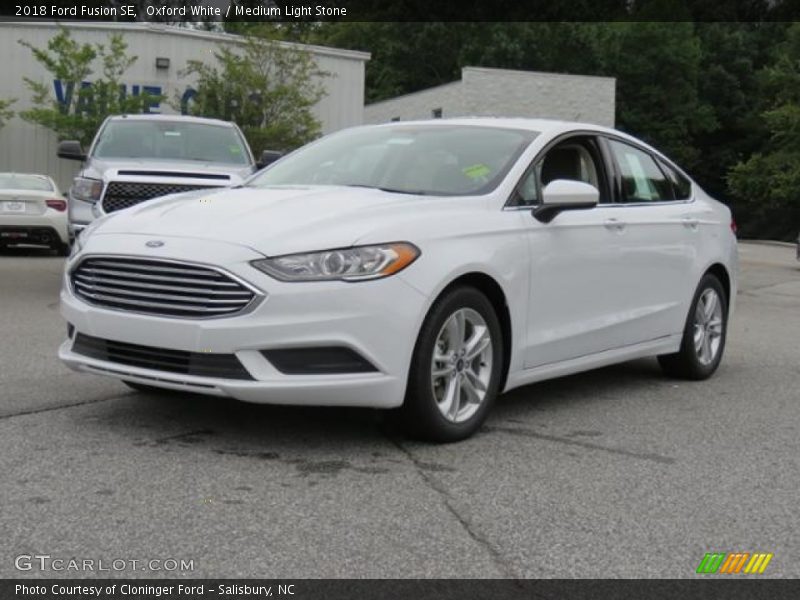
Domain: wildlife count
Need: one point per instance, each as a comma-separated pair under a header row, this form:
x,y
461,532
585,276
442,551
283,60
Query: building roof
x,y
173,30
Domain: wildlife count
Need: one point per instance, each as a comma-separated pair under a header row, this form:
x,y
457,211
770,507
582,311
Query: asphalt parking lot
x,y
619,472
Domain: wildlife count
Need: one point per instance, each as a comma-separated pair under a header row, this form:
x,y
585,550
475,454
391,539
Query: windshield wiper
x,y
389,190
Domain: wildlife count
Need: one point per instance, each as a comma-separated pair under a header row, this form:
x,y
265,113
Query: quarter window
x,y
681,185
641,178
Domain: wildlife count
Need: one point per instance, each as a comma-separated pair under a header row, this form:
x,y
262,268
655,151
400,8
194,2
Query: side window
x,y
641,178
576,159
681,185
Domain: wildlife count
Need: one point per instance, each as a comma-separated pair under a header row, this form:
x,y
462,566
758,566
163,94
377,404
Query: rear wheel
x,y
704,334
456,368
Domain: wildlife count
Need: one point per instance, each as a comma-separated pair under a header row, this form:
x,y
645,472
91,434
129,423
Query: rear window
x,y
171,140
16,181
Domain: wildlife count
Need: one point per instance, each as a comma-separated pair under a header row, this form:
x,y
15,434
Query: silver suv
x,y
134,158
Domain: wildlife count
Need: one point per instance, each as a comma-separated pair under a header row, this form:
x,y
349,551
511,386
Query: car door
x,y
658,252
577,278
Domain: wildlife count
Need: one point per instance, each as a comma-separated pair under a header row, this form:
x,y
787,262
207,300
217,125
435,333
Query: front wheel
x,y
704,334
456,368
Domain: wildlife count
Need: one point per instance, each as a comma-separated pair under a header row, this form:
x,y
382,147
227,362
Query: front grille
x,y
199,364
124,194
158,287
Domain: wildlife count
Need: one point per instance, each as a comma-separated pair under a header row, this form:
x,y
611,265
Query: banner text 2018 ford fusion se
x,y
419,266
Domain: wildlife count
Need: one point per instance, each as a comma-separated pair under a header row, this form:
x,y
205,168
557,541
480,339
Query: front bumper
x,y
377,319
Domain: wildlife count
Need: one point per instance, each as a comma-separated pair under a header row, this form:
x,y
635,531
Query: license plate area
x,y
13,207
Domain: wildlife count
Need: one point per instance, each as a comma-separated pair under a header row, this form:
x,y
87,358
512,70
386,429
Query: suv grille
x,y
158,287
124,194
199,364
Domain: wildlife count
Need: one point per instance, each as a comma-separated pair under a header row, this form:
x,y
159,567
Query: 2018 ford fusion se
x,y
419,266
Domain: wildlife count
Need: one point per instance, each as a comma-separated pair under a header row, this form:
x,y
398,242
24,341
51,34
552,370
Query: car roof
x,y
15,174
179,118
538,125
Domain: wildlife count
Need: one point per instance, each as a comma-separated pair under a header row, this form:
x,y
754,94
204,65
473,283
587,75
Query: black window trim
x,y
607,162
657,159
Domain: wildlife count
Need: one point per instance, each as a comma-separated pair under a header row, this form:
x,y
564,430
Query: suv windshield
x,y
441,160
171,140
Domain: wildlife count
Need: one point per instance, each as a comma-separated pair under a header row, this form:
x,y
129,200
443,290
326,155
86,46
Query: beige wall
x,y
506,93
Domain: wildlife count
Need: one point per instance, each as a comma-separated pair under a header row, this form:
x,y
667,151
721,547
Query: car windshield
x,y
440,160
171,140
16,181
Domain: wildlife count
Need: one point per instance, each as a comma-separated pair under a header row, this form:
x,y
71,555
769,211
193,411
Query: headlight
x,y
344,264
88,190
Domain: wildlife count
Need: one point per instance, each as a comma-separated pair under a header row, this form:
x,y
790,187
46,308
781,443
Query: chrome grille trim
x,y
202,292
124,194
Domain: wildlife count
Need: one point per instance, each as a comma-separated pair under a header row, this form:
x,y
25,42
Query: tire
x,y
704,334
428,411
148,389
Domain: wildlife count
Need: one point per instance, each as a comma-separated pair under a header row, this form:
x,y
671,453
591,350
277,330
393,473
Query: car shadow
x,y
228,427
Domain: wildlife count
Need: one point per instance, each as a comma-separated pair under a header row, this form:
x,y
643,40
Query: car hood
x,y
272,221
148,168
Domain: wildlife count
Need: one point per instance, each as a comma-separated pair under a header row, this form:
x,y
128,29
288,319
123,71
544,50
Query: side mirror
x,y
565,194
71,150
268,157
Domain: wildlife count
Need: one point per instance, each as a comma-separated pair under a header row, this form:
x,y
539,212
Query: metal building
x,y
506,93
162,53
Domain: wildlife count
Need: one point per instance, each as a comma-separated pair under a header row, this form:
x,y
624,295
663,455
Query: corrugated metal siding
x,y
26,147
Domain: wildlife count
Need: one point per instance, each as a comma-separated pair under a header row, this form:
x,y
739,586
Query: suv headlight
x,y
88,190
357,263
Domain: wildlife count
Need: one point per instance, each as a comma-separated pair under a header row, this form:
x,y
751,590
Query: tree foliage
x,y
6,114
267,88
87,98
768,183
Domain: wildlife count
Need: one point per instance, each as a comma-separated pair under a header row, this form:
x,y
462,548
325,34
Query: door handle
x,y
615,225
690,222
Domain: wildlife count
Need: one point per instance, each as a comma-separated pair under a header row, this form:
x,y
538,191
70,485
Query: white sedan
x,y
32,211
421,266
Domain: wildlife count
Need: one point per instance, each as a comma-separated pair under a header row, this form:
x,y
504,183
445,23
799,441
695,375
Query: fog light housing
x,y
321,360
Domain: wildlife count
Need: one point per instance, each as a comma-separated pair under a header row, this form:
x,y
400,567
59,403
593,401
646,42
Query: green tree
x,y
266,87
767,185
6,114
657,66
85,104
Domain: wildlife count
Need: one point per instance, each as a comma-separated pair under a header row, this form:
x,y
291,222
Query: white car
x,y
32,211
425,266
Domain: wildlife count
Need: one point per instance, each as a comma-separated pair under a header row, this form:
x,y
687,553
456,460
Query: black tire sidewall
x,y
421,413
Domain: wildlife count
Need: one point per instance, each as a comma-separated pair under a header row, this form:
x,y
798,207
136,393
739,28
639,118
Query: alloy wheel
x,y
708,324
461,368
